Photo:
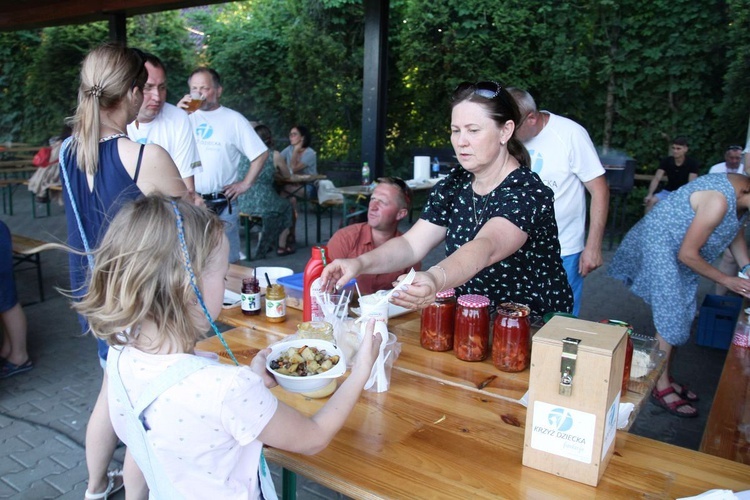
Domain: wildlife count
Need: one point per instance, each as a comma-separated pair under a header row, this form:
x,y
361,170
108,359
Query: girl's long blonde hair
x,y
108,73
140,273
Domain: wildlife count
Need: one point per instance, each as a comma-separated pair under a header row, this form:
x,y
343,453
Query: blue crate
x,y
717,320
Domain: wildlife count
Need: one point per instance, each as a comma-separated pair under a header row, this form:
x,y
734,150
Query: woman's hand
x,y
258,366
339,272
418,295
740,286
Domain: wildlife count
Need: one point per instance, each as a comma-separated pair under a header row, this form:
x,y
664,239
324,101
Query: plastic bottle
x,y
311,282
275,304
250,297
365,174
435,167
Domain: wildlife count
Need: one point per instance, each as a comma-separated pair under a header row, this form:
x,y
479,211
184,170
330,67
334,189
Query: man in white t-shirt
x,y
223,137
564,157
732,163
159,122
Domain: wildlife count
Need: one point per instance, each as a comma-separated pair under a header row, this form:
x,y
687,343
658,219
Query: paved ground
x,y
43,413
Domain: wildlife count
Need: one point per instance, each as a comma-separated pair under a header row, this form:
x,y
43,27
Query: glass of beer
x,y
196,101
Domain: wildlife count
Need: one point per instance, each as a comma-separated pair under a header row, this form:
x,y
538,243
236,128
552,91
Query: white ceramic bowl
x,y
274,273
311,382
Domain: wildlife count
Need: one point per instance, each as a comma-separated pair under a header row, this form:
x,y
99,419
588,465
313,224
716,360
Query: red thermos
x,y
313,270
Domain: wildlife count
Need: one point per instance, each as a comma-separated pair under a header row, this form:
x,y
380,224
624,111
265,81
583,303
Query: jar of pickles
x,y
471,336
511,337
438,321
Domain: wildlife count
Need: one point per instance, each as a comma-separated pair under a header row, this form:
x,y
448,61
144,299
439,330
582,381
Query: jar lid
x,y
474,301
513,309
450,292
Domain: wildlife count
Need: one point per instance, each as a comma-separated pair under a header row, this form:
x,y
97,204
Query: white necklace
x,y
113,136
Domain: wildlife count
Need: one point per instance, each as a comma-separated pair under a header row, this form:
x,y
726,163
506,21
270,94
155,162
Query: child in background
x,y
195,427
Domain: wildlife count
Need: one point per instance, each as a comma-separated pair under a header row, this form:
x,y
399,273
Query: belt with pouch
x,y
216,202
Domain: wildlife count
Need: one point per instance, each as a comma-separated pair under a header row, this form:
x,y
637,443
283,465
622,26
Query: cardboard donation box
x,y
574,394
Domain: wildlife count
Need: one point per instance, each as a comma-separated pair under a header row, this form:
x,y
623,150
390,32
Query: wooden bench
x,y
27,250
251,222
8,186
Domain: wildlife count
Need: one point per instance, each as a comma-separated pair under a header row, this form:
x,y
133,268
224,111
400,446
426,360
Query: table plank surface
x,y
481,377
727,432
427,439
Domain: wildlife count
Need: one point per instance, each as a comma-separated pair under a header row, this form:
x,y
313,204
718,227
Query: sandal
x,y
113,486
684,391
8,369
281,251
673,407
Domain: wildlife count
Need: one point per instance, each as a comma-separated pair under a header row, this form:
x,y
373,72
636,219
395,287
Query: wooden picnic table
x,y
479,377
431,437
727,432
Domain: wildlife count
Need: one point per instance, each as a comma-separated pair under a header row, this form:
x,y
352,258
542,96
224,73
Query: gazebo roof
x,y
30,14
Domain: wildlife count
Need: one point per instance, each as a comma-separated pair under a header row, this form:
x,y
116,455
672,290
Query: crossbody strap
x,y
73,205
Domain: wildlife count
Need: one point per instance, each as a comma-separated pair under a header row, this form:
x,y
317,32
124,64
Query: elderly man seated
x,y
389,203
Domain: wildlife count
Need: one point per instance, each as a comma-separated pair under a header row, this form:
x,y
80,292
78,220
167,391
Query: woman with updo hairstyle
x,y
494,214
100,170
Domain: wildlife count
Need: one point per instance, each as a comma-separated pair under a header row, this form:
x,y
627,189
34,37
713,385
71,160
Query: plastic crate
x,y
717,321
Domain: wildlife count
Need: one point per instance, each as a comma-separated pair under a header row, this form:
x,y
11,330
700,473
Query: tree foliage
x,y
634,74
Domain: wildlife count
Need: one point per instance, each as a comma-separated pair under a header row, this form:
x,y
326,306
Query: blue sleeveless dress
x,y
646,260
113,187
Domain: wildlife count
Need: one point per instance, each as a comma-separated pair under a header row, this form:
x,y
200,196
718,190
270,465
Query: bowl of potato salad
x,y
305,365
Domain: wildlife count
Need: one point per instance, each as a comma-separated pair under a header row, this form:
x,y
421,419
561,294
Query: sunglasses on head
x,y
735,148
488,90
399,182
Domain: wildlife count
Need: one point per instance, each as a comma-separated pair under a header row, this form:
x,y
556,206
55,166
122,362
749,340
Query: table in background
x,y
303,181
357,198
481,378
727,432
425,438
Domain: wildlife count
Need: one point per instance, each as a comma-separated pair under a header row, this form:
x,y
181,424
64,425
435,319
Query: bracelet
x,y
745,268
445,278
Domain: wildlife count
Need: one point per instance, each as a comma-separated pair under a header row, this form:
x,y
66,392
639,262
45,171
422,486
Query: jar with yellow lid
x,y
275,304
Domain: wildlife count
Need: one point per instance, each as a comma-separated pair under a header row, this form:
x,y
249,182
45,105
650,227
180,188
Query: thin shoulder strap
x,y
138,165
73,205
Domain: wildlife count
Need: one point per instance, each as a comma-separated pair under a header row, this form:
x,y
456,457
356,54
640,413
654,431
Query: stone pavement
x,y
43,413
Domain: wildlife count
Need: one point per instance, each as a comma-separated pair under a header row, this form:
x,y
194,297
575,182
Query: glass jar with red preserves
x,y
511,337
438,320
471,335
628,352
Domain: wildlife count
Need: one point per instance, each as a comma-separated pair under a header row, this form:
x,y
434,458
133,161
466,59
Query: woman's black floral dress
x,y
534,275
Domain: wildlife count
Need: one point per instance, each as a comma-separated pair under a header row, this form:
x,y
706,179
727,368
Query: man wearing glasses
x,y
732,163
564,157
159,122
389,203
